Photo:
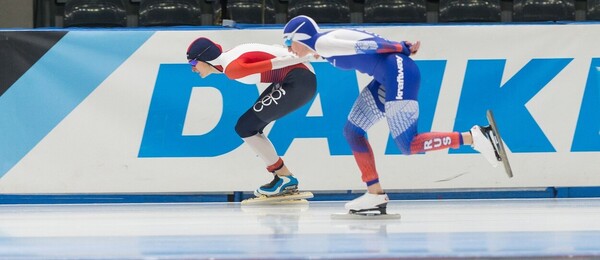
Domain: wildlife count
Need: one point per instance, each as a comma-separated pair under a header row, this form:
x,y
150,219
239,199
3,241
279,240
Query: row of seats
x,y
108,13
112,13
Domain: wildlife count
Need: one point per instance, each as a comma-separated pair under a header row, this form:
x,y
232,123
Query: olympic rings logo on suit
x,y
276,93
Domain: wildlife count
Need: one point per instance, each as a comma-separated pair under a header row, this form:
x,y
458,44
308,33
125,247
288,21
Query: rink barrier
x,y
86,146
538,193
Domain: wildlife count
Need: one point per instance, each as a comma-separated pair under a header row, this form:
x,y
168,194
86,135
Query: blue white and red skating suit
x,y
392,94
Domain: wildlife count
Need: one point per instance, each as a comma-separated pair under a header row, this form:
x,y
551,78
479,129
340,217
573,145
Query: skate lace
x,y
272,183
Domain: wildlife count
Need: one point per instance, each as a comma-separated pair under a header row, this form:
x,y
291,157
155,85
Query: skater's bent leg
x,y
280,99
275,102
363,154
249,127
263,147
366,111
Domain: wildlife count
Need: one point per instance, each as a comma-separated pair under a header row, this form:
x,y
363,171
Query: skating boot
x,y
280,185
368,202
484,142
367,206
281,190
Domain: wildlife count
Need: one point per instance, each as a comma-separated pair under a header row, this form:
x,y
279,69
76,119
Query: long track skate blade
x,y
363,215
501,149
294,198
291,202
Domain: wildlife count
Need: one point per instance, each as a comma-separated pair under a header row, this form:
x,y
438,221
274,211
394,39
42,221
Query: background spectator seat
x,y
95,13
543,10
169,12
322,11
469,11
391,11
251,11
593,10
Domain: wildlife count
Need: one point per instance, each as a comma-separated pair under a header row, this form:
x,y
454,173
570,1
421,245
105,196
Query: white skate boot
x,y
368,202
367,206
483,143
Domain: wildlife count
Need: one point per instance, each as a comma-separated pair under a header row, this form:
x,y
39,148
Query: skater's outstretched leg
x,y
402,117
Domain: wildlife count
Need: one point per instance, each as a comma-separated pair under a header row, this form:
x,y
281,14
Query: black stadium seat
x,y
593,10
169,12
251,11
392,11
469,11
543,10
322,11
95,13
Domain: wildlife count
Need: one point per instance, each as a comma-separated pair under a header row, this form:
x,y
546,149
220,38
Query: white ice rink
x,y
428,229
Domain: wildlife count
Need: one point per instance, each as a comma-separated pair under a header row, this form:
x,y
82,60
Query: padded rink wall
x,y
119,112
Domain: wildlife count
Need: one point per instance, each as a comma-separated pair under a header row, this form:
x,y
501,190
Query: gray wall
x,y
16,13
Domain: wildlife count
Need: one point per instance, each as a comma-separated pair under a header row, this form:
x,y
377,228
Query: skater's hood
x,y
300,28
205,50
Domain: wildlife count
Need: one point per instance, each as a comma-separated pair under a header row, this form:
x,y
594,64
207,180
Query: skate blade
x,y
364,215
500,144
291,202
288,199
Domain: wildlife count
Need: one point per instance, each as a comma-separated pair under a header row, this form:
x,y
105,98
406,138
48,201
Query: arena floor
x,y
428,229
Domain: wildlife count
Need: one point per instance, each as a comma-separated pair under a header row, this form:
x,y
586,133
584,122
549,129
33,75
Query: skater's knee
x,y
404,136
354,136
248,125
352,131
404,149
242,130
404,143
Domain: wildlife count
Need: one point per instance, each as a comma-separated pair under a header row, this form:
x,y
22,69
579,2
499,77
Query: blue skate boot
x,y
280,185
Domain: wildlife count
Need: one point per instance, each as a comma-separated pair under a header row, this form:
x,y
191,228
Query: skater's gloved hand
x,y
405,47
414,48
408,48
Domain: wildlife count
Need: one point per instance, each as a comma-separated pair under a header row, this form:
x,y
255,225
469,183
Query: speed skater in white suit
x,y
392,94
